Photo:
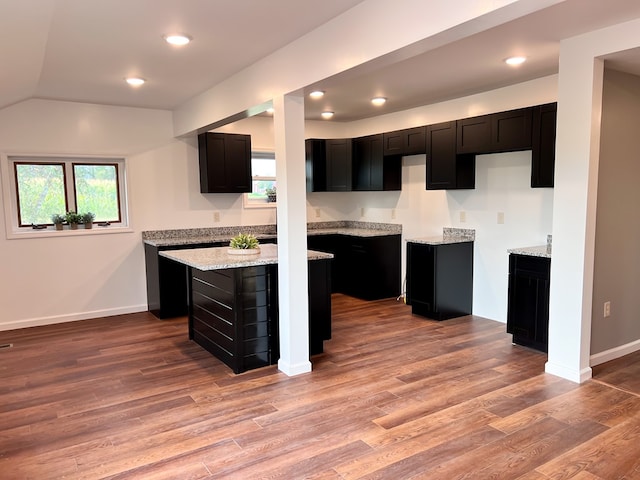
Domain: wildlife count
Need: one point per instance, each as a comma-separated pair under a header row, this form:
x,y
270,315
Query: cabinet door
x,y
316,164
369,170
421,278
441,156
474,135
338,154
543,153
511,131
409,141
528,303
225,162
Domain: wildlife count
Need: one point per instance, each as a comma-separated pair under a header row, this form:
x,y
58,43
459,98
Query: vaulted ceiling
x,y
81,50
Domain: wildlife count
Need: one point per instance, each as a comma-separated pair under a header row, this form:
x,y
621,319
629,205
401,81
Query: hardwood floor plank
x,y
394,395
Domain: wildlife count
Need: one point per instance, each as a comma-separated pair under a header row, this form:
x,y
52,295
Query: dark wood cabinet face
x,y
495,133
368,163
441,156
363,267
440,279
528,300
543,152
316,164
338,155
409,141
225,162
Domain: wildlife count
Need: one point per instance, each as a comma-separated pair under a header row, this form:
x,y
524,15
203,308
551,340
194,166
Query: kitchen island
x,y
233,303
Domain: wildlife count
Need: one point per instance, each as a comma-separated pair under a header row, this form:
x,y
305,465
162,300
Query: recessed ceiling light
x,y
317,94
377,101
514,61
327,115
135,81
177,39
270,111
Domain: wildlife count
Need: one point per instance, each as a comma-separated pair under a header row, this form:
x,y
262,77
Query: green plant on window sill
x,y
58,220
244,241
73,219
271,194
87,219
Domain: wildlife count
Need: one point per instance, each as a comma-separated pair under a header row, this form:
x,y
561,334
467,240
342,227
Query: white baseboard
x,y
294,369
37,322
568,373
614,353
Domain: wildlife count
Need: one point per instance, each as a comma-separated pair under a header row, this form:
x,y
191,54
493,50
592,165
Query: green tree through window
x,y
41,192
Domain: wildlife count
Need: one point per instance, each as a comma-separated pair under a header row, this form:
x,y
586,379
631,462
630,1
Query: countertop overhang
x,y
218,258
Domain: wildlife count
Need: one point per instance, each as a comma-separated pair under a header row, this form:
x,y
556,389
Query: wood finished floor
x,y
394,396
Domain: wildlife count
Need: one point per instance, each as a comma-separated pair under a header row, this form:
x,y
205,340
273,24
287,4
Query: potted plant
x,y
57,220
73,219
87,219
244,244
271,194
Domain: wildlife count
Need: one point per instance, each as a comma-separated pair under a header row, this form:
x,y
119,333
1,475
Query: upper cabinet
x,y
495,133
445,169
410,141
372,171
316,164
338,157
225,162
543,153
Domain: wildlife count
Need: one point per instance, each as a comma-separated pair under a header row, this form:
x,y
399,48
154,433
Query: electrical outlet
x,y
216,216
362,211
317,213
393,214
500,218
607,309
463,216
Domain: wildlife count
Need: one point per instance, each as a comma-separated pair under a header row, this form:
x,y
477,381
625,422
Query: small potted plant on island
x,y
271,194
73,219
244,244
58,220
87,219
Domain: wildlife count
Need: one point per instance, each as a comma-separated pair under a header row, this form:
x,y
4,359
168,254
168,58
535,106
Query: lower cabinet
x,y
167,281
233,313
528,308
363,267
440,279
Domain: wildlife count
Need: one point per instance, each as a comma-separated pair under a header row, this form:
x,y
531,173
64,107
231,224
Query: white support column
x,y
288,126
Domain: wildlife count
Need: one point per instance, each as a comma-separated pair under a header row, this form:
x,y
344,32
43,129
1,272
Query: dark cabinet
x,y
446,169
167,281
409,141
543,153
474,135
362,267
225,162
495,133
338,157
372,171
528,303
440,279
316,164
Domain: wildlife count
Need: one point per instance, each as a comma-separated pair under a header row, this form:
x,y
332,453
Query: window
x,y
263,171
35,188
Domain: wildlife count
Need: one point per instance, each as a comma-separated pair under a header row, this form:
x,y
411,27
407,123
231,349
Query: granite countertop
x,y
537,251
218,258
166,238
449,235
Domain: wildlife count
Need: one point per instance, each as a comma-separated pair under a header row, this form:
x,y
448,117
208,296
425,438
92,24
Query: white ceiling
x,y
81,50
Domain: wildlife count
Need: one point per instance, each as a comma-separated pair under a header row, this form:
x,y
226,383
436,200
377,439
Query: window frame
x,y
75,185
16,164
8,178
247,202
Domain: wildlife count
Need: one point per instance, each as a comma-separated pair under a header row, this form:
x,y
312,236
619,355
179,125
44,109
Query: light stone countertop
x,y
449,235
167,238
218,258
537,251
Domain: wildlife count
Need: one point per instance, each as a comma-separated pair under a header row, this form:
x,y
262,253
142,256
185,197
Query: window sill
x,y
247,203
67,232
